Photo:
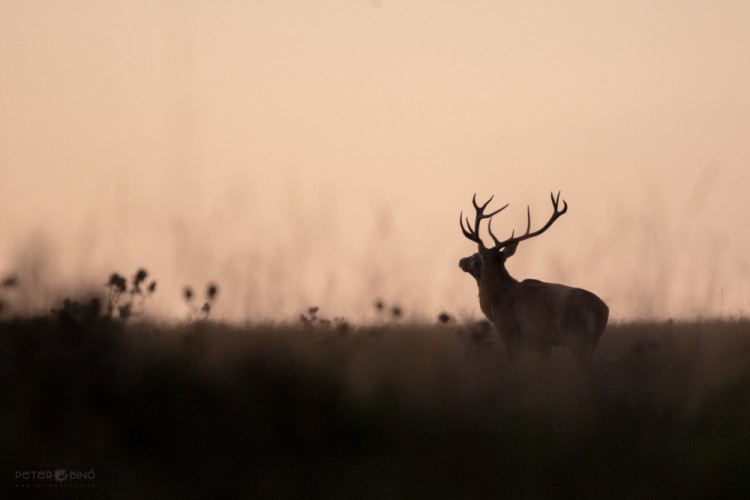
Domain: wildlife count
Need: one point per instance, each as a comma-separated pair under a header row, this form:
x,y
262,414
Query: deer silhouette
x,y
530,314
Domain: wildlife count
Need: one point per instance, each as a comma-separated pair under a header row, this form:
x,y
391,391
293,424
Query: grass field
x,y
201,410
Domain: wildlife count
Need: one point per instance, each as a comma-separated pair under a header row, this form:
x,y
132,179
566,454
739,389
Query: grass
x,y
202,409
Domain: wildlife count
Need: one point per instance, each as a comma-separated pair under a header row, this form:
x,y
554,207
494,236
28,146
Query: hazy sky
x,y
319,152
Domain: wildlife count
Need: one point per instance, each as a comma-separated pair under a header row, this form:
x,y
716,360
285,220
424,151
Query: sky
x,y
319,153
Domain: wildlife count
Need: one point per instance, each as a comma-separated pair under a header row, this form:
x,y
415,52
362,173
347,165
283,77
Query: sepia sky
x,y
318,153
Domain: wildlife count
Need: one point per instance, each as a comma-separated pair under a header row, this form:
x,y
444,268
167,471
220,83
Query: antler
x,y
513,240
473,232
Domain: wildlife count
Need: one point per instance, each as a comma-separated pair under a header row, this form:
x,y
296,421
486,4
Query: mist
x,y
319,155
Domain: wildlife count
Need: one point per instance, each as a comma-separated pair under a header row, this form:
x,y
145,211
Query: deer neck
x,y
496,283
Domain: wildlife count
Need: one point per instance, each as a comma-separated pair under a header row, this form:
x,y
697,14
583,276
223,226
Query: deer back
x,y
542,315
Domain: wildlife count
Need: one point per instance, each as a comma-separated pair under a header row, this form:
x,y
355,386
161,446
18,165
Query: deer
x,y
530,314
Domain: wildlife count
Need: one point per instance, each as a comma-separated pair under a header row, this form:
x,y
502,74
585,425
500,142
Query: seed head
x,y
211,291
117,282
140,277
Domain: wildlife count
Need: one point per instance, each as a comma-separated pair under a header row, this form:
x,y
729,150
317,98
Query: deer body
x,y
531,313
540,315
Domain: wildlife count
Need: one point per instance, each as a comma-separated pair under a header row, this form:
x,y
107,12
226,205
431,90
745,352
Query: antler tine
x,y
492,235
467,232
480,210
496,211
477,207
472,233
528,219
556,212
498,243
556,202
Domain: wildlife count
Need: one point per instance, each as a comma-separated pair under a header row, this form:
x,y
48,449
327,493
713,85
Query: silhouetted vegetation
x,y
203,409
311,320
396,312
212,291
444,318
6,286
134,301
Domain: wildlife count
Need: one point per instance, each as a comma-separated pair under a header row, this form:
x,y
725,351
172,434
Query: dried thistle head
x,y
117,282
396,312
140,277
444,318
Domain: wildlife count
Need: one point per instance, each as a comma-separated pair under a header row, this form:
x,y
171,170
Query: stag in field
x,y
531,313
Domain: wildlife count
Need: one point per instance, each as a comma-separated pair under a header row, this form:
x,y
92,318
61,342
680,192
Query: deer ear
x,y
510,250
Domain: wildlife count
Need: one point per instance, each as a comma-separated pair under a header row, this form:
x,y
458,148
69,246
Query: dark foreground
x,y
210,411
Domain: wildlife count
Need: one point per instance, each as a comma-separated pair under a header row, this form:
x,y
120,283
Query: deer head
x,y
499,253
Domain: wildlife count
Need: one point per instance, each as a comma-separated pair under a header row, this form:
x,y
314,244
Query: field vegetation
x,y
326,409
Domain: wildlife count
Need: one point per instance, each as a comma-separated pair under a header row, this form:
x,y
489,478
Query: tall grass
x,y
393,411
